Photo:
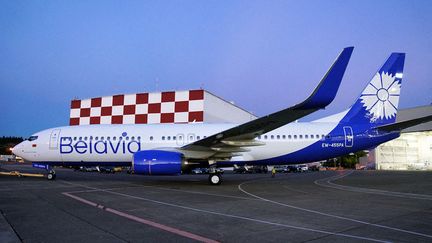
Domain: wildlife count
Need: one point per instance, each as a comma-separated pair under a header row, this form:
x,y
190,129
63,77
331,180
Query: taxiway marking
x,y
328,182
327,214
213,213
143,221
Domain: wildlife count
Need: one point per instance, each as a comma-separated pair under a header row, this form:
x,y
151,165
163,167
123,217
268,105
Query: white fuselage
x,y
117,143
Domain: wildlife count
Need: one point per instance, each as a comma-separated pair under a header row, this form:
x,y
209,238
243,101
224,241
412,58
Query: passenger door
x,y
54,139
349,137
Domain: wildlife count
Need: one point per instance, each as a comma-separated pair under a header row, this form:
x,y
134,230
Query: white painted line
x,y
330,215
161,188
232,216
144,221
328,182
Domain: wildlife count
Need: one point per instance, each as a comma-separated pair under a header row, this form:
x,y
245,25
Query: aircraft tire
x,y
51,176
215,179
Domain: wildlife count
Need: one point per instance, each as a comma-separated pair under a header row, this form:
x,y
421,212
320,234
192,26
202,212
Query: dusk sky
x,y
263,55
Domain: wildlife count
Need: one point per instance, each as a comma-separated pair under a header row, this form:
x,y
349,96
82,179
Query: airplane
x,y
275,139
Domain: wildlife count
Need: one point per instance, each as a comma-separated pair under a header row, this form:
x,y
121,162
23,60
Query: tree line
x,y
8,142
346,161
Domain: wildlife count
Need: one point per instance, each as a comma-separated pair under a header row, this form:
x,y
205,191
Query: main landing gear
x,y
215,178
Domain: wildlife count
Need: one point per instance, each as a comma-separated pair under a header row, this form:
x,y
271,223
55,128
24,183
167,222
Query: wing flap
x,y
243,143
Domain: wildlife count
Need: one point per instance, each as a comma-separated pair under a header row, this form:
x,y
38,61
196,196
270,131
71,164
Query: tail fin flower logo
x,y
381,96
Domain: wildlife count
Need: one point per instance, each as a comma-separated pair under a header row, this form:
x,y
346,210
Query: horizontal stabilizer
x,y
404,124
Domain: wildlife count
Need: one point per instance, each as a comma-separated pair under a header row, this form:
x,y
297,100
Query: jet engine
x,y
157,162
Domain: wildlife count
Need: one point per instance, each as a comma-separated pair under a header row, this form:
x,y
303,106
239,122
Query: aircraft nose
x,y
17,149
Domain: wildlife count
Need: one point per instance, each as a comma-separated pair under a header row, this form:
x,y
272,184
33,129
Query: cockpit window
x,y
32,138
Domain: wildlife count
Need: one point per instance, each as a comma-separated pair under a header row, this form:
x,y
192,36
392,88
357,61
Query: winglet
x,y
326,91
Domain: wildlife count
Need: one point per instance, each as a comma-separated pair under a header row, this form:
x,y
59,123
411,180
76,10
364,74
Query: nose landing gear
x,y
51,175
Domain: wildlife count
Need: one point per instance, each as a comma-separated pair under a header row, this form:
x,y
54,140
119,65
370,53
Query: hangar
x,y
411,151
157,107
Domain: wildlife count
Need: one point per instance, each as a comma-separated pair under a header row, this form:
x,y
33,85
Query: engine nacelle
x,y
157,162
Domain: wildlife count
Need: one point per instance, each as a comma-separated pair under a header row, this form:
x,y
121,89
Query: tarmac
x,y
325,206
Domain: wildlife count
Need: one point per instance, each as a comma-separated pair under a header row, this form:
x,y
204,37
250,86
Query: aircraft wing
x,y
230,141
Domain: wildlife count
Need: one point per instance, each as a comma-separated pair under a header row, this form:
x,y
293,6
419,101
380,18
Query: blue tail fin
x,y
378,103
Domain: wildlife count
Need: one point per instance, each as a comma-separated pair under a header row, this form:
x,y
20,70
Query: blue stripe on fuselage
x,y
332,147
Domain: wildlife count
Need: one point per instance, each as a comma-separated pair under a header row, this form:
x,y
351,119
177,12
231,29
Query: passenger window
x,y
127,138
174,138
114,138
306,136
278,136
139,138
289,136
328,136
96,138
151,138
169,138
91,137
133,138
108,138
272,137
163,138
198,137
265,137
300,136
283,137
80,138
295,136
85,138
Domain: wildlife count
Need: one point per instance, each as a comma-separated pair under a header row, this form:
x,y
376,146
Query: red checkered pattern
x,y
142,108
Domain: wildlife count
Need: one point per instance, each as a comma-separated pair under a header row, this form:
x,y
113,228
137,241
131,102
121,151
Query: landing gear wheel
x,y
215,179
51,176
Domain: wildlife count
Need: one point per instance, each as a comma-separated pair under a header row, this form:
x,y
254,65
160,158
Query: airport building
x,y
158,107
411,151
